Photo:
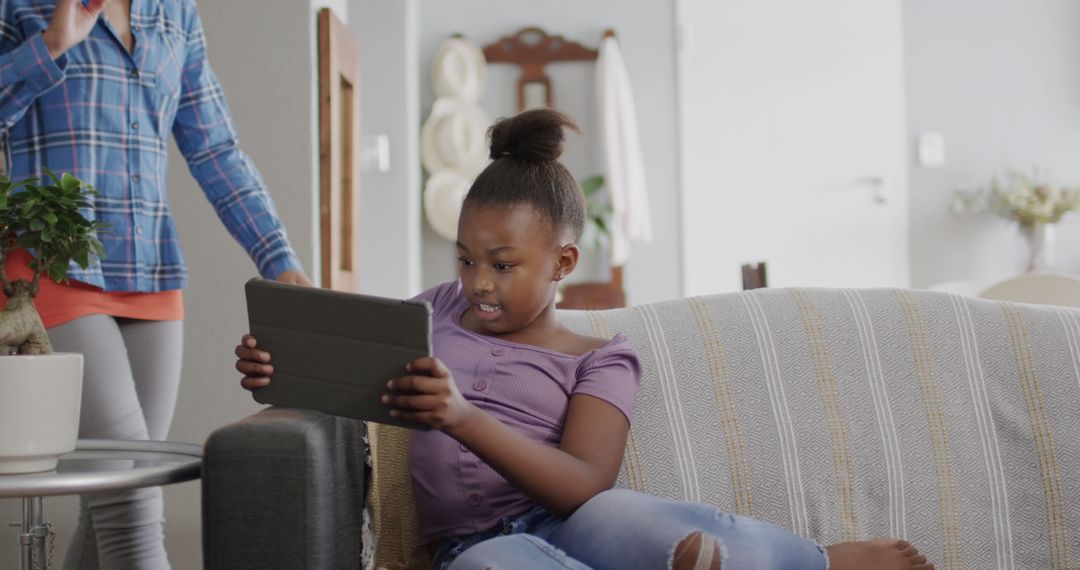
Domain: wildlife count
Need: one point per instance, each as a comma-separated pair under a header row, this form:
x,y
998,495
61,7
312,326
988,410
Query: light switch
x,y
931,150
375,153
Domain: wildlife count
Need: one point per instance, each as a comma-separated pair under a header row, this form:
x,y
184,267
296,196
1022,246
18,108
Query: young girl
x,y
530,419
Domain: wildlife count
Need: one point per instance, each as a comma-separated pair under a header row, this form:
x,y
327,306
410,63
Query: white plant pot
x,y
39,410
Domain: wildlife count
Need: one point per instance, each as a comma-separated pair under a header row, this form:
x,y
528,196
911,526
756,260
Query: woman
x,y
94,88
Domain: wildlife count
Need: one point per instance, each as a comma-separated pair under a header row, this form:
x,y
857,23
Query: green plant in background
x,y
597,234
45,218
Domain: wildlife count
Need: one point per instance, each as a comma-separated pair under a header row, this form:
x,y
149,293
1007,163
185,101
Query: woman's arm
x,y
205,135
561,479
29,67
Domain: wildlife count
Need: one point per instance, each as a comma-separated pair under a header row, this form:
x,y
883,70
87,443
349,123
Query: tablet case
x,y
334,351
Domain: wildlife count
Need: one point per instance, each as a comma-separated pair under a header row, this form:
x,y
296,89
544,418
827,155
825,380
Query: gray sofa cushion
x,y
284,488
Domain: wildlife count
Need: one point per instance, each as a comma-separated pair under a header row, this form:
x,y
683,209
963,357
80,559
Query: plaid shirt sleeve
x,y
205,135
26,71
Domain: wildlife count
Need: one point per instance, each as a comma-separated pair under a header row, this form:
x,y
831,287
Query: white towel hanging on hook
x,y
625,172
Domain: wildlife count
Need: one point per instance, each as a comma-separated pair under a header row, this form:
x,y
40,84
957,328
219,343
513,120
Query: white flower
x,y
1030,200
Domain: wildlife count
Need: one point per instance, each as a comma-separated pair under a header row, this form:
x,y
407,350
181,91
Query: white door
x,y
792,142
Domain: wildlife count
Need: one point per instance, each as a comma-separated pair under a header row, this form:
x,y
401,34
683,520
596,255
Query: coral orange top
x,y
58,304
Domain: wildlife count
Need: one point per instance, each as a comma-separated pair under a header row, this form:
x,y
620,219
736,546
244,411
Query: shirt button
x,y
474,499
497,352
479,385
135,73
135,177
135,126
134,28
138,230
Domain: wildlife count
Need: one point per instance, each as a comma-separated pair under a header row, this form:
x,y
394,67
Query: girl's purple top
x,y
527,388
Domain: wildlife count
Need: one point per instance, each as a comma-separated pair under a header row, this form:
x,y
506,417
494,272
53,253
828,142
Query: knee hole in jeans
x,y
698,551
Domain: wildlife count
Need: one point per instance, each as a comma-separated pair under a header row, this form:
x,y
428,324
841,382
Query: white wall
x,y
1001,80
784,119
389,232
645,30
264,54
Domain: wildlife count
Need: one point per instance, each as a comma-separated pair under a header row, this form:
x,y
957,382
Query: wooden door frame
x,y
339,149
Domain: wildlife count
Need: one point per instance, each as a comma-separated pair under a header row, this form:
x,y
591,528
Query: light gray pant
x,y
131,373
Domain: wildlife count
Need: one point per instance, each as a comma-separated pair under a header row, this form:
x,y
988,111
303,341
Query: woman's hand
x,y
428,396
293,278
71,23
254,364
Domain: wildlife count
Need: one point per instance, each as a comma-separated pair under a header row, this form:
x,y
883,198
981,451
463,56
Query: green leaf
x,y
58,272
69,183
82,257
11,188
592,184
49,219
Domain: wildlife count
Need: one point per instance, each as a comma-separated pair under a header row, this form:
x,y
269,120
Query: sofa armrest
x,y
284,488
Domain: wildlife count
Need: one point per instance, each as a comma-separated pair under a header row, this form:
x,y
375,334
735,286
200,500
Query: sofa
x,y
840,414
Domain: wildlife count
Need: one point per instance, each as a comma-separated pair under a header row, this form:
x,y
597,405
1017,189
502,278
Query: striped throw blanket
x,y
842,415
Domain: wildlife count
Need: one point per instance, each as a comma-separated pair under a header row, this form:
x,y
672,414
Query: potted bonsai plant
x,y
40,391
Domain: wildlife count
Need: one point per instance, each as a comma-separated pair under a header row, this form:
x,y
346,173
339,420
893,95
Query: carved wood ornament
x,y
532,49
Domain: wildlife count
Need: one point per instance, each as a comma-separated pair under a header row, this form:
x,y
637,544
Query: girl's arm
x,y
253,363
561,479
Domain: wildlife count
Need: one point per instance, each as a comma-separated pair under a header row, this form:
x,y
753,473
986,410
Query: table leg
x,y
33,541
25,539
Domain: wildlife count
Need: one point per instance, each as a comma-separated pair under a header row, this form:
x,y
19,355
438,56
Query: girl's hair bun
x,y
533,136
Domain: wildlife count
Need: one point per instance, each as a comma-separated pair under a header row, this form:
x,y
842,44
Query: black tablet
x,y
334,351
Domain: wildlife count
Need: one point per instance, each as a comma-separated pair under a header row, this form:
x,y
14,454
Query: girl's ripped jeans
x,y
623,529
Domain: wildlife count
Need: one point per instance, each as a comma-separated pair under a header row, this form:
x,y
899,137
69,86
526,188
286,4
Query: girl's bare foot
x,y
882,554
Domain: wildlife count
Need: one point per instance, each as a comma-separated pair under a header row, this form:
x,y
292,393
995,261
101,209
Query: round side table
x,y
95,465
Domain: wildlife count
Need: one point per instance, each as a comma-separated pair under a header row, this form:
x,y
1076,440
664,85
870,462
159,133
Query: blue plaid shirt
x,y
104,115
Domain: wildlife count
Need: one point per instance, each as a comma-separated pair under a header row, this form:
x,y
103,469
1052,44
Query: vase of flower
x,y
1030,200
1037,205
1038,247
